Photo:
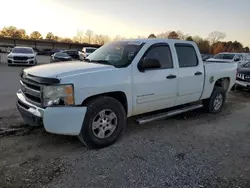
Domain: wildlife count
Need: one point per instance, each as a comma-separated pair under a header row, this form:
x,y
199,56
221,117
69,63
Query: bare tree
x,y
163,35
216,36
181,35
79,36
89,33
118,37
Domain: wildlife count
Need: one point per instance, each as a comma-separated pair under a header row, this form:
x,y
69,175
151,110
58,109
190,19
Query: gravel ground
x,y
190,150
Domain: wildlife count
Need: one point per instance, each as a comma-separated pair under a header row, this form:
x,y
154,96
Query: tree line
x,y
212,44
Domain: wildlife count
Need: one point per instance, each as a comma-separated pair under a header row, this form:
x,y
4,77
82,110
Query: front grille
x,y
21,58
32,91
243,77
20,62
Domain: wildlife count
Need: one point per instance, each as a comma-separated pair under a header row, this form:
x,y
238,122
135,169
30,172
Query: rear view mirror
x,y
149,63
237,59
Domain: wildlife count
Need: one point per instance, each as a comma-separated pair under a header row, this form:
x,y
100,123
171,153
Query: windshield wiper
x,y
101,62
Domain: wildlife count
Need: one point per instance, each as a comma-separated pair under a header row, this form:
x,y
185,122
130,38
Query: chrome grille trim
x,y
32,92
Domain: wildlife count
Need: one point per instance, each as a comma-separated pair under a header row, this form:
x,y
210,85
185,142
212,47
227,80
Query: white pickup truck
x,y
239,58
145,77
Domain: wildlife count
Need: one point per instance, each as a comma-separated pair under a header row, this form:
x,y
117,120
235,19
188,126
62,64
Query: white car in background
x,y
229,57
86,51
22,56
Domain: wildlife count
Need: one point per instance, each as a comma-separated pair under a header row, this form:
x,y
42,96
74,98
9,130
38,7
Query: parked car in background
x,y
22,56
206,56
243,77
246,57
60,56
86,51
122,79
229,57
74,54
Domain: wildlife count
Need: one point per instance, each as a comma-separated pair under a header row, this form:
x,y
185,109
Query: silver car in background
x,y
22,56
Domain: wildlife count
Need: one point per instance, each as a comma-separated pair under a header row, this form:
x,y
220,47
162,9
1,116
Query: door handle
x,y
171,76
198,73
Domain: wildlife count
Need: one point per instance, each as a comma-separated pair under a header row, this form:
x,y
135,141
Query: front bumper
x,y
243,84
58,120
21,62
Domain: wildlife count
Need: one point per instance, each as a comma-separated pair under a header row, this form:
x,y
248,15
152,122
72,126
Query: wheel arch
x,y
223,82
118,95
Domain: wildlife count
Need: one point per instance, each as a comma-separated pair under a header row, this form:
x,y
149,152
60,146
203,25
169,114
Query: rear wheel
x,y
104,122
215,103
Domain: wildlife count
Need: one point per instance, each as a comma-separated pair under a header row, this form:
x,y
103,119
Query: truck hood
x,y
63,69
21,55
244,70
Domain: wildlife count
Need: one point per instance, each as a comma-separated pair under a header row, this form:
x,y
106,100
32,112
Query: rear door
x,y
190,73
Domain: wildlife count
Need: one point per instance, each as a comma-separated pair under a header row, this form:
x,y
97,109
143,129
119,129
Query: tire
x,y
102,104
209,104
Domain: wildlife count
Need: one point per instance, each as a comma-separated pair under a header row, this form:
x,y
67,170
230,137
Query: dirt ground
x,y
190,150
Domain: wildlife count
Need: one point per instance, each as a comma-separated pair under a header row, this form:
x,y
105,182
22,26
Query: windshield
x,y
224,56
90,50
247,65
118,54
22,50
61,55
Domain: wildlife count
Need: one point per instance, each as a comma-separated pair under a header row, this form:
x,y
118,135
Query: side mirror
x,y
237,59
149,63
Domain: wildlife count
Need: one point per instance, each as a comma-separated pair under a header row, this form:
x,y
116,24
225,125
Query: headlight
x,y
247,77
58,95
31,57
10,57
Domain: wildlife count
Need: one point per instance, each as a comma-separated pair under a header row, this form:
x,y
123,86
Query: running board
x,y
164,115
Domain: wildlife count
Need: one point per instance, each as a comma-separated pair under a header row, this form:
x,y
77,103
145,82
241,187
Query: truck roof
x,y
157,40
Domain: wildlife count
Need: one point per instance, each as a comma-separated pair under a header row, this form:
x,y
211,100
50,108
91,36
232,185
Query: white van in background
x,y
86,51
239,58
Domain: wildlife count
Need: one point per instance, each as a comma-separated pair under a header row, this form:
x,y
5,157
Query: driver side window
x,y
162,54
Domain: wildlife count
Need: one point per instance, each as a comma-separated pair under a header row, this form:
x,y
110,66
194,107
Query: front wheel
x,y
215,103
104,122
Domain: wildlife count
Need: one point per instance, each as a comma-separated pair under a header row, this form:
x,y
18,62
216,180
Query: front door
x,y
155,89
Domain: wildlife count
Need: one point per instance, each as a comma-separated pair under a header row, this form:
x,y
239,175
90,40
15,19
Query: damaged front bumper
x,y
58,120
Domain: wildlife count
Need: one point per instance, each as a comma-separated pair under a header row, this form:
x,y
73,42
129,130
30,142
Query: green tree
x,y
50,36
246,49
204,46
152,36
11,31
35,35
173,35
189,38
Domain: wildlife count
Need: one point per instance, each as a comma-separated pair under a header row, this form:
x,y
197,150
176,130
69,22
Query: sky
x,y
130,18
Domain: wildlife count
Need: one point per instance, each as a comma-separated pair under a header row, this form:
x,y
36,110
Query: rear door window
x,y
187,56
